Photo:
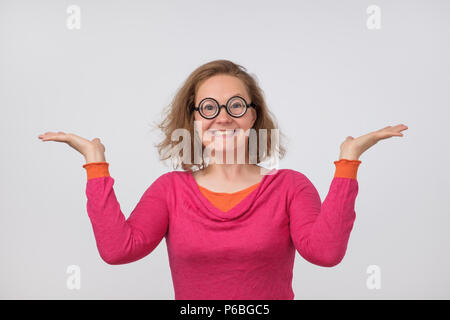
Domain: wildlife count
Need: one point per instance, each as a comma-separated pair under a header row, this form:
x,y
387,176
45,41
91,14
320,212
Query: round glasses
x,y
236,107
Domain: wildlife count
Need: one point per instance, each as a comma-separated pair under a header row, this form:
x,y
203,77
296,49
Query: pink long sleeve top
x,y
246,252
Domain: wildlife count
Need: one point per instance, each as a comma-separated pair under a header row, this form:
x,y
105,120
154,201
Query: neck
x,y
230,171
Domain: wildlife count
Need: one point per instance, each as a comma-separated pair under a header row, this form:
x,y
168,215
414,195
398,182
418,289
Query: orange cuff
x,y
346,168
96,169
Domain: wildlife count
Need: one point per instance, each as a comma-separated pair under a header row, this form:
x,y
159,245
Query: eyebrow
x,y
236,94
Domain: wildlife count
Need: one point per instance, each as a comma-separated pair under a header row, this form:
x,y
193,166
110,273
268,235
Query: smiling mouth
x,y
223,133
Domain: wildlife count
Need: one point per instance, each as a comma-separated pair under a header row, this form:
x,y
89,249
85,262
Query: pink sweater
x,y
245,253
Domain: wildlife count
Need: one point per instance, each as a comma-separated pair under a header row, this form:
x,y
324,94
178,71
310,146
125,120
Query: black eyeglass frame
x,y
247,105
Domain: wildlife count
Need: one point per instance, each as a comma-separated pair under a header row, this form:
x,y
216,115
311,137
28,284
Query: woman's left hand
x,y
352,148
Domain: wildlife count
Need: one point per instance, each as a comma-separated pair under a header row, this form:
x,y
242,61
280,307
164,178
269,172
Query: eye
x,y
236,105
208,108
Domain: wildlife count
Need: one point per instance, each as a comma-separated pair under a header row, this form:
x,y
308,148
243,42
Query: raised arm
x,y
320,232
121,240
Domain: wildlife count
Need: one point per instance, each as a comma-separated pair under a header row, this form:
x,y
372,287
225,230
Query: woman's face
x,y
222,88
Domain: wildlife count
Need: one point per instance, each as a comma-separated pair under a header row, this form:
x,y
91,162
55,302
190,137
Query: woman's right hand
x,y
93,151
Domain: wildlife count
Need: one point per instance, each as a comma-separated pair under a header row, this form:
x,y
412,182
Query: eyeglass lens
x,y
209,107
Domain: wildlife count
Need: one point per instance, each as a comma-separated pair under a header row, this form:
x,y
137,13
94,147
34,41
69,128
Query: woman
x,y
231,231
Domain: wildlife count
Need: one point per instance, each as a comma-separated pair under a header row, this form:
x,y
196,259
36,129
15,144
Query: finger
x,y
399,129
401,126
43,134
96,141
54,136
389,135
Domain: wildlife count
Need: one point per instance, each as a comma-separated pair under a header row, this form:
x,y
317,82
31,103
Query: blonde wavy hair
x,y
179,114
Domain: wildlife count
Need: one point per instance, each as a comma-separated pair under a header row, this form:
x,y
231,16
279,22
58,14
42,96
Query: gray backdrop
x,y
325,75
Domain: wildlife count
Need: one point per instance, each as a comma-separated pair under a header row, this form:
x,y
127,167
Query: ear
x,y
255,116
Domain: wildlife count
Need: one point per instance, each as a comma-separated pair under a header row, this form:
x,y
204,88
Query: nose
x,y
223,114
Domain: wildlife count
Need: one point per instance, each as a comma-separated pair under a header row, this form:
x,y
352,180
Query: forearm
x,y
94,156
349,155
121,240
320,231
328,237
116,241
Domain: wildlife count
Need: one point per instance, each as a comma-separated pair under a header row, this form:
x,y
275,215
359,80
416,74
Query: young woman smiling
x,y
231,231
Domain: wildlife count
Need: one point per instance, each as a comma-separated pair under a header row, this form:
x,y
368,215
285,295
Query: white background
x,y
325,76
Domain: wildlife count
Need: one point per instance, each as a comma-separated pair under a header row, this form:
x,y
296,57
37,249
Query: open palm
x,y
352,148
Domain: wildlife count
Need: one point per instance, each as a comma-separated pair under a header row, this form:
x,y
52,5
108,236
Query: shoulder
x,y
173,177
300,186
293,177
166,183
293,182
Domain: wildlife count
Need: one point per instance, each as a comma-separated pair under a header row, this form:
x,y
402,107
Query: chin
x,y
233,146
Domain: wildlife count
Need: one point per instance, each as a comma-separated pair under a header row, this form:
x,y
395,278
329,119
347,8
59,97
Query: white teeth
x,y
223,132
